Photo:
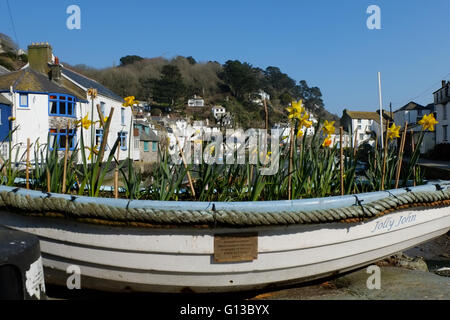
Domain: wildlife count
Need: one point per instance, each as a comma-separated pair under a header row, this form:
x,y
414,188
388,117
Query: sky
x,y
325,42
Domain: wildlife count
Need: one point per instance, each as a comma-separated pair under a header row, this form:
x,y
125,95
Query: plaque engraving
x,y
235,247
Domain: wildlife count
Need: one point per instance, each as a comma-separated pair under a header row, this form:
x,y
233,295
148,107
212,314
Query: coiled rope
x,y
106,214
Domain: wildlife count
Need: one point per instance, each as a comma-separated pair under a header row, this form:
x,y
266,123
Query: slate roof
x,y
3,100
3,70
368,115
29,80
90,83
411,106
151,136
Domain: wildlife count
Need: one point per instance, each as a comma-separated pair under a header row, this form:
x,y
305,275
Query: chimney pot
x,y
443,83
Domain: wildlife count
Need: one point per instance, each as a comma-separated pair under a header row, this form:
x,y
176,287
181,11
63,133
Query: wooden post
x,y
267,115
66,152
291,152
27,169
383,174
185,166
400,155
48,181
116,174
341,132
413,147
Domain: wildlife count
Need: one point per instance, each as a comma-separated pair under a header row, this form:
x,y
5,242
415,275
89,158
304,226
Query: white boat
x,y
210,255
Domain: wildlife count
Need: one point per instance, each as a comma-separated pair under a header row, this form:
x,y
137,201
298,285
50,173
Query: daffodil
x,y
428,121
85,122
11,118
299,133
328,127
394,132
296,109
92,151
129,101
304,121
327,142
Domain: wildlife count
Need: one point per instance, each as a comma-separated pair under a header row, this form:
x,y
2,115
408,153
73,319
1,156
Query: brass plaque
x,y
235,247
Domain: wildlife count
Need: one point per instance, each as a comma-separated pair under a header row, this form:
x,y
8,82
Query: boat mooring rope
x,y
105,214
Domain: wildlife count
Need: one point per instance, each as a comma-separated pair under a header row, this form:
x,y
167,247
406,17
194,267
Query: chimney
x,y
39,55
55,71
444,83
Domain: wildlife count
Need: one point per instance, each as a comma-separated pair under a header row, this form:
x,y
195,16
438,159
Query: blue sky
x,y
324,42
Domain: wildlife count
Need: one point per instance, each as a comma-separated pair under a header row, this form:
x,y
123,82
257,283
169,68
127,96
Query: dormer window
x,y
62,105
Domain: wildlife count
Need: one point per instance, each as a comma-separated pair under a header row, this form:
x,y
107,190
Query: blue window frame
x,y
123,140
99,138
23,100
146,146
62,105
154,146
59,137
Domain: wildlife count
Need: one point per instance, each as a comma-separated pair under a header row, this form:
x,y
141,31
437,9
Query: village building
x,y
46,99
442,109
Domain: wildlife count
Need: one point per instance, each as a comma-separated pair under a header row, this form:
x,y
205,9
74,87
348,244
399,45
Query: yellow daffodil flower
x,y
85,122
296,109
129,101
303,121
394,132
428,121
328,127
92,151
11,118
299,133
327,142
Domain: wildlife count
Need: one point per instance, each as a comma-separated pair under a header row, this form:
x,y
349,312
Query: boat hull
x,y
181,259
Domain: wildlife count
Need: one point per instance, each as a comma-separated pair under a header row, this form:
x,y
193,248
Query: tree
x,y
129,60
241,78
7,44
170,87
191,60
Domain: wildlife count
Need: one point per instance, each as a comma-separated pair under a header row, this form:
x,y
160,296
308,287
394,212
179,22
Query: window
x,y
154,146
359,127
123,140
359,120
145,146
99,138
62,105
445,132
58,138
361,136
136,143
122,116
23,100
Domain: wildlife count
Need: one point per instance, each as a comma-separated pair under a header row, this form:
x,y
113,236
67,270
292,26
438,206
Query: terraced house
x,y
45,99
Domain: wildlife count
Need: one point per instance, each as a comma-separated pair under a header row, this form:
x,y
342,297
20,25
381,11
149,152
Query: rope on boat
x,y
96,212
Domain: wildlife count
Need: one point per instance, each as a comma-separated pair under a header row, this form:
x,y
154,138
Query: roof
x,y
86,83
411,106
29,80
151,136
369,115
3,100
3,70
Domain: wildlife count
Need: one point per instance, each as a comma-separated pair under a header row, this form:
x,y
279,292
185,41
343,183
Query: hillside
x,y
171,82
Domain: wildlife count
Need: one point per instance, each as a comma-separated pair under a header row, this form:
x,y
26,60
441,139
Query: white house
x,y
442,108
47,98
363,126
260,97
218,111
196,102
